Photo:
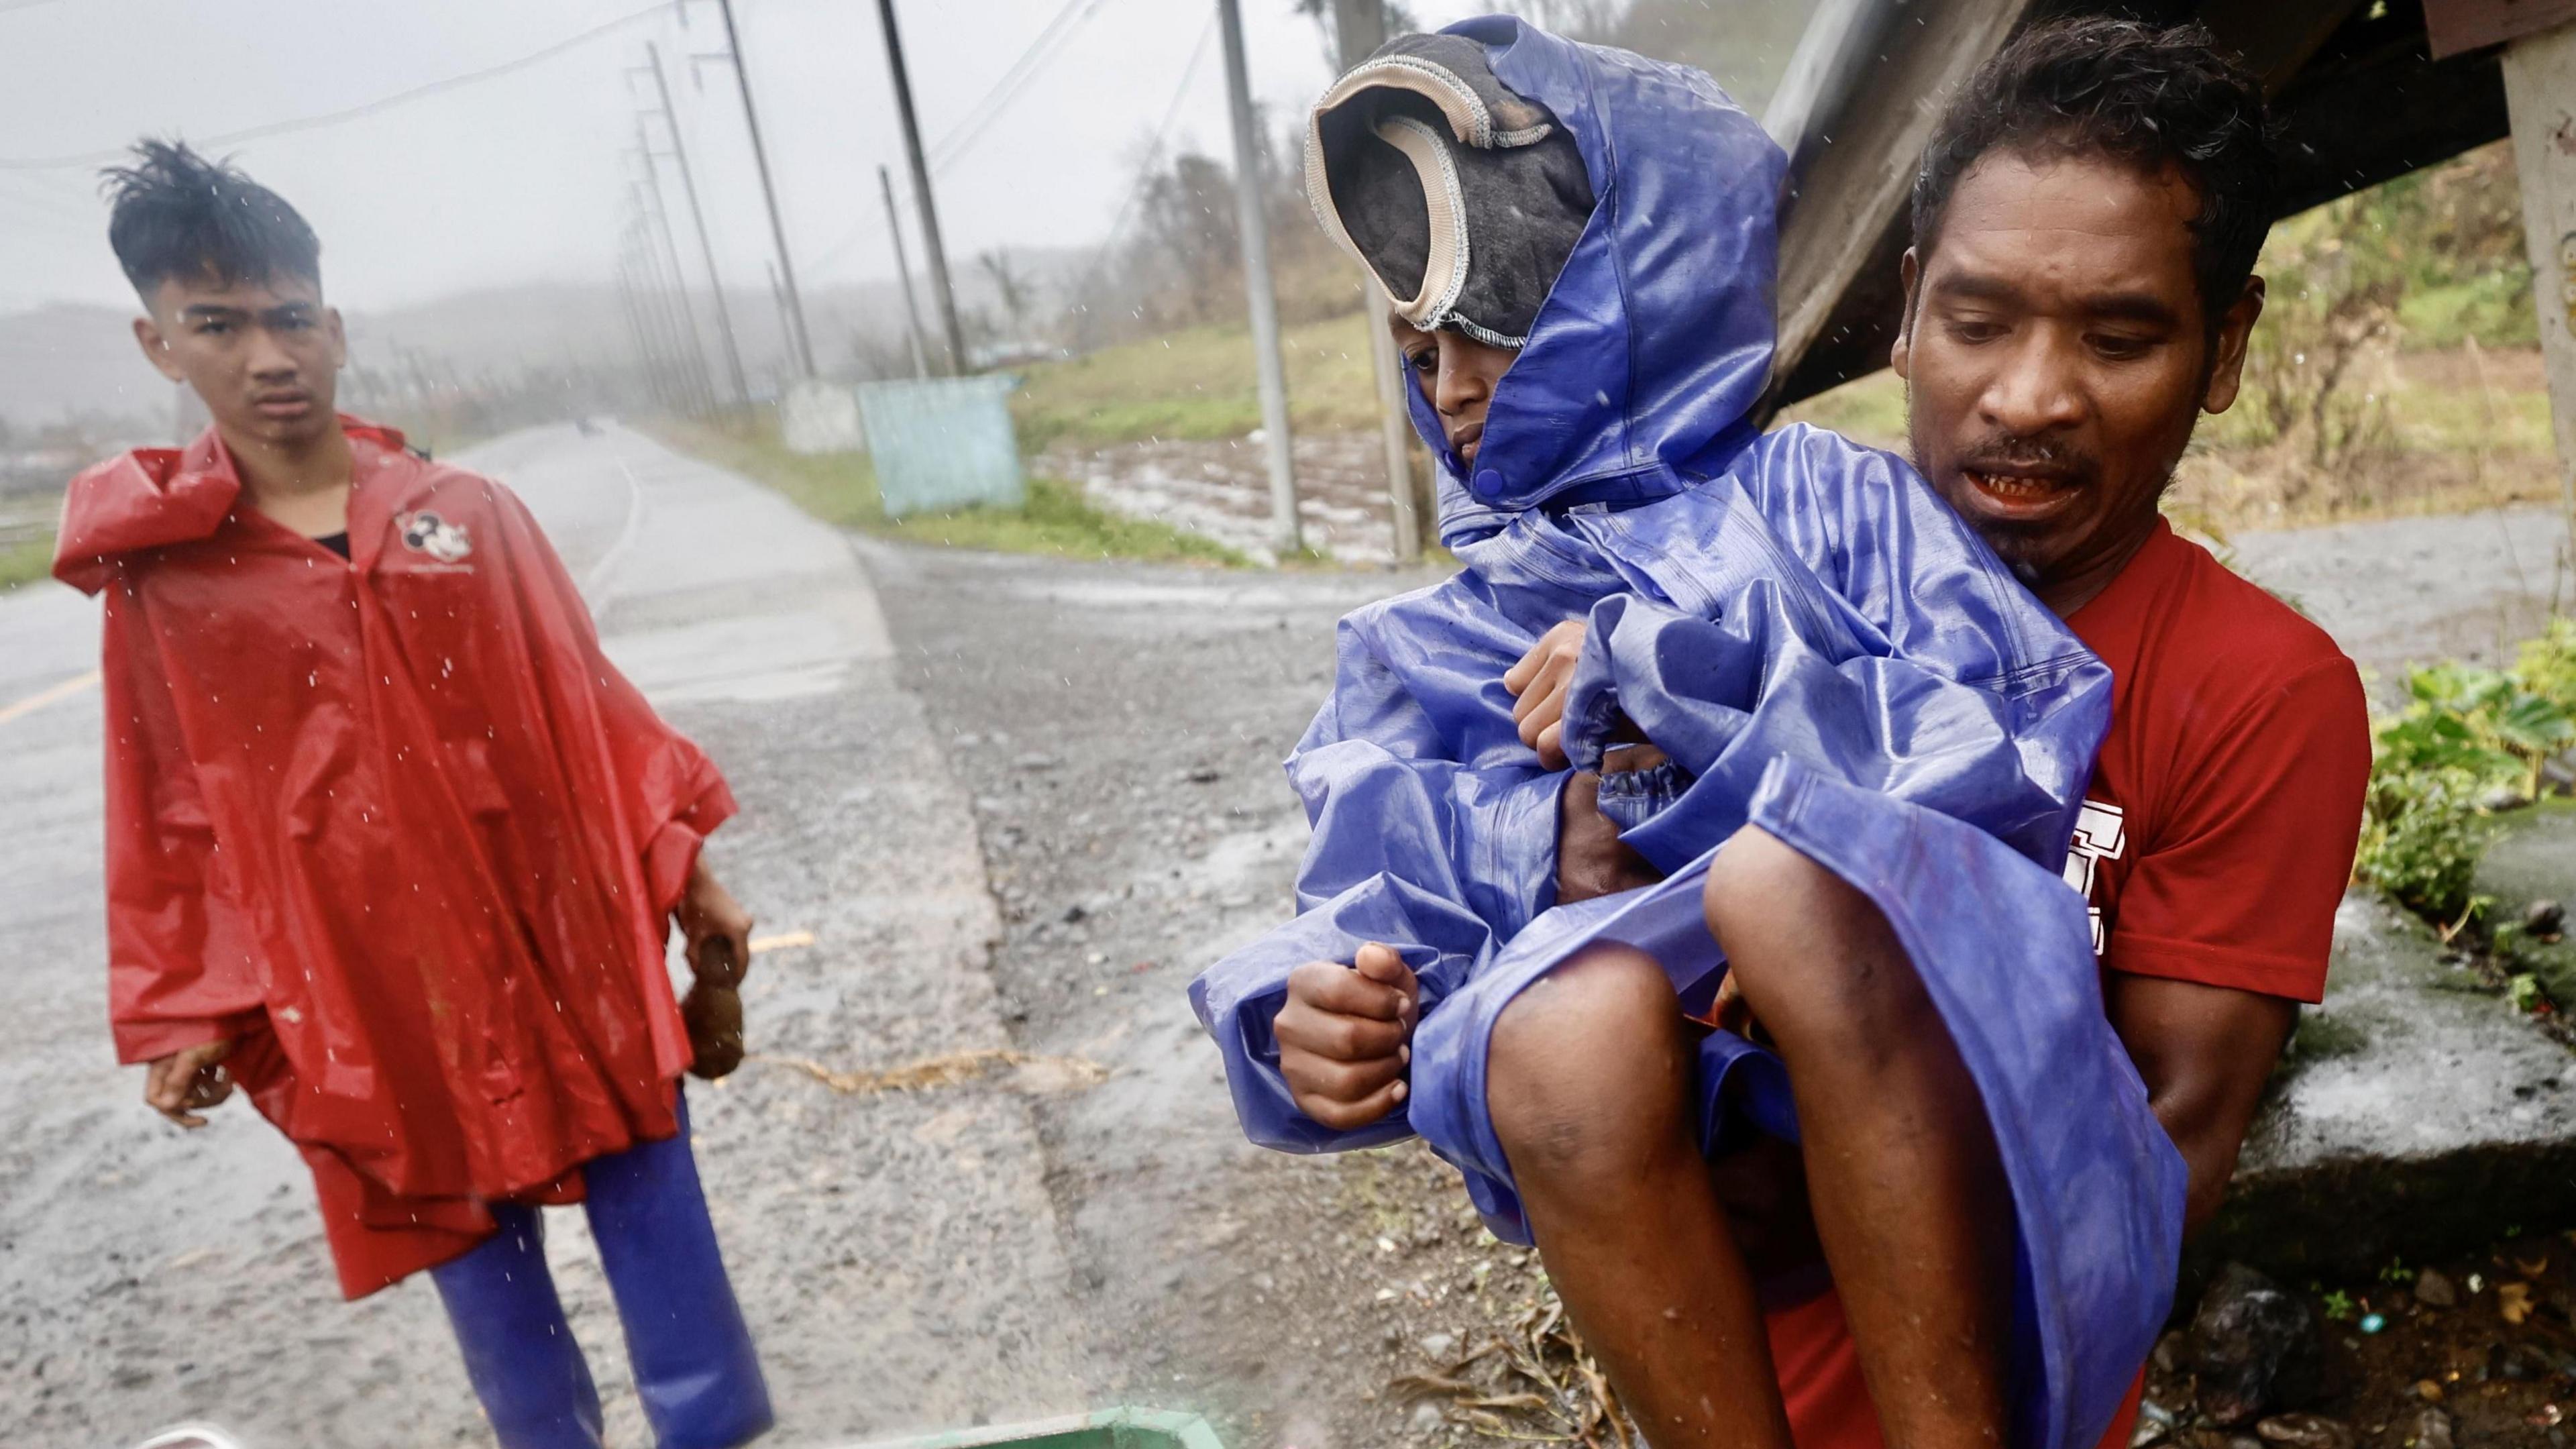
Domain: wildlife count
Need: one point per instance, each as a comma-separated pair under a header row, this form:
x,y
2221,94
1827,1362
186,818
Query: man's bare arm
x,y
2205,1052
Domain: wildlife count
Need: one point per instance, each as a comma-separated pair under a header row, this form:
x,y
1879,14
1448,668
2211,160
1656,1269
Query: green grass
x,y
1867,410
841,489
24,563
1199,383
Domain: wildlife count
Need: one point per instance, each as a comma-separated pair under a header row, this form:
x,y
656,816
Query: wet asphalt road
x,y
1018,802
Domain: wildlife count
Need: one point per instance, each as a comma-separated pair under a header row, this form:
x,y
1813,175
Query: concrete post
x,y
1286,534
2540,96
1359,28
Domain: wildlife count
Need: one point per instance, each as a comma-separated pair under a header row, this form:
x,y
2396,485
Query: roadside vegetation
x,y
841,489
1197,383
26,560
2471,747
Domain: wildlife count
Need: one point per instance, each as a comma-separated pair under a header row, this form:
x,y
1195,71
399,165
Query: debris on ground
x,y
948,1069
2473,1352
2253,1347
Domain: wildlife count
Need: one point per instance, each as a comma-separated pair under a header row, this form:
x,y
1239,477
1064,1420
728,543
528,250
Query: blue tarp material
x,y
1822,648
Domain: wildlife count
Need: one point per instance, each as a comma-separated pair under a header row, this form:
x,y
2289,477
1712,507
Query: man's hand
x,y
184,1083
1345,1036
1538,682
718,929
1591,860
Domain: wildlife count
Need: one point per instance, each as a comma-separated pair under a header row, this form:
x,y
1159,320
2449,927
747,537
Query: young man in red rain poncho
x,y
393,846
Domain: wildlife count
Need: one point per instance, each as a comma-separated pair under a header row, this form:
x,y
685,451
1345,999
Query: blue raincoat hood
x,y
1597,409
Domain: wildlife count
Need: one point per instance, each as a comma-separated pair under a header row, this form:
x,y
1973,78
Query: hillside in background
x,y
73,368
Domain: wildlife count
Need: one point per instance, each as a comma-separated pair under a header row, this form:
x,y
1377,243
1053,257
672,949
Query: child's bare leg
x,y
1589,1084
1908,1192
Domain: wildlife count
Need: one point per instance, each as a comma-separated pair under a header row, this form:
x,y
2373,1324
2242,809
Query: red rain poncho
x,y
394,824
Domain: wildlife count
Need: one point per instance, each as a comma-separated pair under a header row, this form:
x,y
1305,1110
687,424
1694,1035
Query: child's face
x,y
1457,376
263,355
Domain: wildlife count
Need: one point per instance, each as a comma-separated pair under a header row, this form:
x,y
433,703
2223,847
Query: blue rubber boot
x,y
695,1368
519,1352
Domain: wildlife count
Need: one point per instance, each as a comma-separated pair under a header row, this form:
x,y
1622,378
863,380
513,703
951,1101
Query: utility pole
x,y
1359,28
688,359
947,297
661,213
778,299
647,323
903,269
777,229
697,214
655,386
1286,536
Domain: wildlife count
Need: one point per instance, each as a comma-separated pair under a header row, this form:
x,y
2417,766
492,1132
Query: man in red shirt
x,y
2086,224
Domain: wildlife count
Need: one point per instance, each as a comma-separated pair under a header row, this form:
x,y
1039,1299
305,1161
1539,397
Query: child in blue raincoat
x,y
1785,630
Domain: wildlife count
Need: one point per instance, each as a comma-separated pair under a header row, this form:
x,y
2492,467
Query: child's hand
x,y
1539,681
187,1082
1345,1037
718,929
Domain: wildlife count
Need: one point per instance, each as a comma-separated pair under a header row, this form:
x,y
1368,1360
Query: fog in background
x,y
472,233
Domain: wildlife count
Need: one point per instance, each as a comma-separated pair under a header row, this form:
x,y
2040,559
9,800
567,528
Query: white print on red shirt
x,y
2101,833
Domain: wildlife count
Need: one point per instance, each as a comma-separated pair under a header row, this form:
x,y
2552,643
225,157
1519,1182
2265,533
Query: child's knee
x,y
1813,956
1588,1069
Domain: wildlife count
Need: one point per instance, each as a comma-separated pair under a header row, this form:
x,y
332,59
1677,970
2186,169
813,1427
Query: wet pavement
x,y
2402,591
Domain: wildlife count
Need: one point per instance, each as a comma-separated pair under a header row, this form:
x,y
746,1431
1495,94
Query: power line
x,y
1013,84
333,118
1162,132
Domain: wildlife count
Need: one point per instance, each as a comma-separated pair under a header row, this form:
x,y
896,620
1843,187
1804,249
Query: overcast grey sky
x,y
522,177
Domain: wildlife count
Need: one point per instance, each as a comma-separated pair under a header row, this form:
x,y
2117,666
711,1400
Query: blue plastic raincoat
x,y
1819,645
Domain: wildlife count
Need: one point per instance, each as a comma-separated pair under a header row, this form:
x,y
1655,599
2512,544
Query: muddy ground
x,y
2468,1351
1220,488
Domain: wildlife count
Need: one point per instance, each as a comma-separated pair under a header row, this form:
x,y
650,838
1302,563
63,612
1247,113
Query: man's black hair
x,y
178,215
2151,96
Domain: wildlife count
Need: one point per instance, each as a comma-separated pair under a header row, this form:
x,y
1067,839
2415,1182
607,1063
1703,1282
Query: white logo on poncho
x,y
426,532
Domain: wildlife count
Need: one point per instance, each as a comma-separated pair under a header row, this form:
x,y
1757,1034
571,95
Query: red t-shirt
x,y
2218,834
2214,846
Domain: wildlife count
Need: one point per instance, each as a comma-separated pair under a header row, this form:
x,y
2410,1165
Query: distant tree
x,y
1399,21
1189,241
1014,287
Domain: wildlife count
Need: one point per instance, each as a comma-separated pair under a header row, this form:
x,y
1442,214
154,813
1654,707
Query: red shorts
x,y
1820,1381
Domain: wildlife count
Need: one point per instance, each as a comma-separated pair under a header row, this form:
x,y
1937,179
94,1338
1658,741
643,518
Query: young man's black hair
x,y
2154,96
180,216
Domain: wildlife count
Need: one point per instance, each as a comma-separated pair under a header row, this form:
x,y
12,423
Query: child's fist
x,y
1345,1036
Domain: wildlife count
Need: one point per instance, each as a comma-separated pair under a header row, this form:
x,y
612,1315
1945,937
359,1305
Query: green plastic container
x,y
1106,1429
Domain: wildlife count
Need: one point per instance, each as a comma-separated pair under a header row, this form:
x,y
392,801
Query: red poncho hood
x,y
149,497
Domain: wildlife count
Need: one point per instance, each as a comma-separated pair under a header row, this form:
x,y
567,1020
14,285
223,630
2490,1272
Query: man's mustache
x,y
2015,456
